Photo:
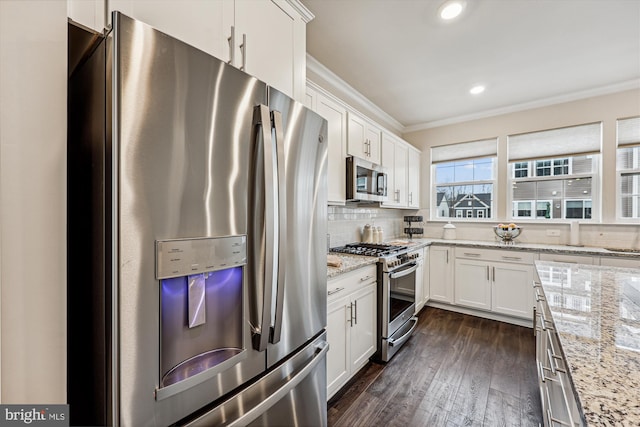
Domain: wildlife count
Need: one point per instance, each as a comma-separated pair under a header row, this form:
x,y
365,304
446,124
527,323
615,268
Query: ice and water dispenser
x,y
201,309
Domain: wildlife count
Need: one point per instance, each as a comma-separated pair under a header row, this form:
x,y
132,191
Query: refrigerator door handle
x,y
274,398
276,330
261,328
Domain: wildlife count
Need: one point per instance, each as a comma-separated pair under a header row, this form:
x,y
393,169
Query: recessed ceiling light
x,y
451,9
476,90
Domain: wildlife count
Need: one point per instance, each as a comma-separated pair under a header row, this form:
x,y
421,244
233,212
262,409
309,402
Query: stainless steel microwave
x,y
365,181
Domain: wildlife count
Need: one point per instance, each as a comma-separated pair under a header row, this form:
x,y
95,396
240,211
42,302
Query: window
x,y
628,168
578,209
521,169
524,209
553,172
463,177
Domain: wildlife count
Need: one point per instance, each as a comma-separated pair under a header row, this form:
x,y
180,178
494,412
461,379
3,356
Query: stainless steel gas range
x,y
397,267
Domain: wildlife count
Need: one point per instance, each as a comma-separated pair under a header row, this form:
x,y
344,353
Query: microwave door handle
x,y
276,330
263,232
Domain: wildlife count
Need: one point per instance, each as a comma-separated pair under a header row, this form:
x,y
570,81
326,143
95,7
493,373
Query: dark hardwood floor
x,y
456,370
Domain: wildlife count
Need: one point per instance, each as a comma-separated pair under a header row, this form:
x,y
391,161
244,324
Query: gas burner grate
x,y
369,249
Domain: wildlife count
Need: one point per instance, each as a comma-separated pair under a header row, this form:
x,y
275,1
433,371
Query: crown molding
x,y
342,89
546,102
307,15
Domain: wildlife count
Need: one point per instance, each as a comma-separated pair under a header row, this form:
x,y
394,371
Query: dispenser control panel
x,y
183,257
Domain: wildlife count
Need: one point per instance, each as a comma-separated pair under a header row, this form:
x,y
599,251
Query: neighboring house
x,y
472,205
442,205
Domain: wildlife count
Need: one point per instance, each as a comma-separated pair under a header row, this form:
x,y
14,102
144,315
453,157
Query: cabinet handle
x,y
494,274
553,362
232,46
512,258
355,303
472,254
410,197
447,256
243,49
350,315
397,196
487,273
364,279
335,291
553,421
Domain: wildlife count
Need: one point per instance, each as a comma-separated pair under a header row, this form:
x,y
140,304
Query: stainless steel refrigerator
x,y
196,239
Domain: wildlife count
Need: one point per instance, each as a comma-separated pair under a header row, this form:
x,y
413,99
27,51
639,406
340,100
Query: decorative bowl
x,y
507,233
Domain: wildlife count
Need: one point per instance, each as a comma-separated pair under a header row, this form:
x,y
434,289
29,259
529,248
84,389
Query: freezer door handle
x,y
232,412
276,330
264,230
253,413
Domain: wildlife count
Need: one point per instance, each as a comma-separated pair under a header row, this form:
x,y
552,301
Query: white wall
x,y
606,108
33,111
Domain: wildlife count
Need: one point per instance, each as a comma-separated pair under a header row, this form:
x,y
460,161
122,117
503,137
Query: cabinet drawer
x,y
573,259
519,257
351,281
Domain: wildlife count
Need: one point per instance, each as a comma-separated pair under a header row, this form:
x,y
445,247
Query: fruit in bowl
x,y
507,232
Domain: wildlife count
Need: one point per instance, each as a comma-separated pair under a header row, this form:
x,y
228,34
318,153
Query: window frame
x,y
594,175
461,213
621,172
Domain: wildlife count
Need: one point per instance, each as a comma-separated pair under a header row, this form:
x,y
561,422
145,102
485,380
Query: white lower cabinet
x,y
497,281
420,289
441,274
351,325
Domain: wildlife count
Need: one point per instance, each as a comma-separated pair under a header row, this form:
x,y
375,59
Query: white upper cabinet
x,y
364,138
402,162
265,38
413,178
270,43
394,159
336,116
202,24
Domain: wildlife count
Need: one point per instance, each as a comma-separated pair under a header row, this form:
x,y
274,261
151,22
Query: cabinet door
x,y
413,178
89,13
336,116
400,172
419,287
356,139
202,24
425,282
338,335
387,160
373,134
472,286
440,274
268,51
512,292
363,327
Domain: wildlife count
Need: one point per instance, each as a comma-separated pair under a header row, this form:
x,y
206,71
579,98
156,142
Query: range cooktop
x,y
369,249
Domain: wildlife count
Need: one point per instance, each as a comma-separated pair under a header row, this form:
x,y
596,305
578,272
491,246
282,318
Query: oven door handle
x,y
400,340
398,274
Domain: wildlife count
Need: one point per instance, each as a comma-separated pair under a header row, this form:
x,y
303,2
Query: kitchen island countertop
x,y
596,312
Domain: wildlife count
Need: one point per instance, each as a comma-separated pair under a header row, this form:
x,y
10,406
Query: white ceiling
x,y
418,69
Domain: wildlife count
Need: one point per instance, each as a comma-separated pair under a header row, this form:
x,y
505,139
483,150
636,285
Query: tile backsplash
x,y
346,222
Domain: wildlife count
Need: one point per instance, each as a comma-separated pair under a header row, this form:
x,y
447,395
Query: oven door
x,y
399,290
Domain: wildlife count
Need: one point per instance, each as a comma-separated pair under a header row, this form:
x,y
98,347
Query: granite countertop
x,y
521,246
596,311
349,263
352,262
